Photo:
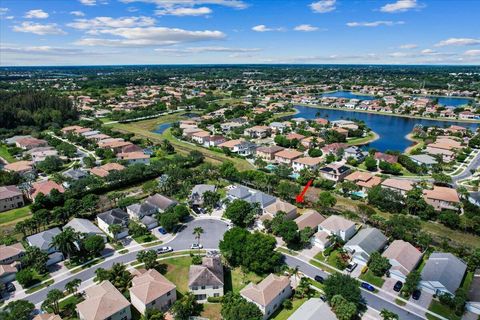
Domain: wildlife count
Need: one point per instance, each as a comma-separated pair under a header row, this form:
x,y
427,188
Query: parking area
x,y
387,288
424,302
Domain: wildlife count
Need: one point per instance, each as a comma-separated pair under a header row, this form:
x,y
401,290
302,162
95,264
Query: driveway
x,y
388,287
424,302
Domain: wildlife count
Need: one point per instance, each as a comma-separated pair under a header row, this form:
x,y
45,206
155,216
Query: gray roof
x,y
161,202
148,220
114,216
43,239
142,209
75,174
277,124
424,158
446,269
262,198
240,192
369,239
83,226
313,309
198,191
209,273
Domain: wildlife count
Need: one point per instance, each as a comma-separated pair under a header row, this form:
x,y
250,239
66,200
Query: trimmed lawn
x,y
287,251
152,244
467,281
235,280
442,310
14,214
284,314
373,279
6,155
145,238
323,267
177,272
331,259
39,278
212,311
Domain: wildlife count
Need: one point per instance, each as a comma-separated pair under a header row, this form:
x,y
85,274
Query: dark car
x,y
10,287
162,230
319,279
416,294
398,286
368,286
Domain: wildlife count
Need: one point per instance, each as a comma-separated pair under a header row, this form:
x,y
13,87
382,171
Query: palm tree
x,y
72,286
66,242
120,277
52,300
198,231
115,229
388,315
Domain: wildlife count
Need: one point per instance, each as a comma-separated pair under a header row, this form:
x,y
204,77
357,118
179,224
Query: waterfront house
x,y
104,302
269,294
424,160
151,290
403,258
442,273
390,158
206,280
364,243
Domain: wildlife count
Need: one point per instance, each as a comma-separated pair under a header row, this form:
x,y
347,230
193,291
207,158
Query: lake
x,y
348,95
164,126
392,130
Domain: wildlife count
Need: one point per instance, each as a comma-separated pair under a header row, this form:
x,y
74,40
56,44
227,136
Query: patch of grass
x,y
89,265
123,251
6,155
14,214
116,245
400,302
145,238
235,280
212,311
316,284
177,272
362,140
330,259
40,286
323,267
442,310
467,281
287,251
152,244
284,314
372,279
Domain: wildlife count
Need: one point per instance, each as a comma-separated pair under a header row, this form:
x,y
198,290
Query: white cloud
x,y
109,22
206,49
458,42
401,6
77,13
472,53
305,28
408,46
88,2
323,6
374,23
3,11
37,28
150,36
264,28
236,4
184,11
41,50
36,14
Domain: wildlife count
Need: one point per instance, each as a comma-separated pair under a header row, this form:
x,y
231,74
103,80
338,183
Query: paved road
x,y
474,164
213,233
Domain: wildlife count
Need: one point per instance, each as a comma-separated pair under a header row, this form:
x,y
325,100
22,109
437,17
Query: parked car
x,y
416,294
164,250
162,230
398,286
196,246
368,286
323,298
10,287
319,278
351,267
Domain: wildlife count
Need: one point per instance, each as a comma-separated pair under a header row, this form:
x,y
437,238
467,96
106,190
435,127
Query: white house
x,y
364,243
111,217
339,226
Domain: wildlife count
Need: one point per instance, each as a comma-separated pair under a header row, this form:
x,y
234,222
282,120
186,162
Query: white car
x,y
196,246
164,250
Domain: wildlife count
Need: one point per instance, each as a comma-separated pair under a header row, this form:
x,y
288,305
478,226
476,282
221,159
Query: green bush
x,y
215,299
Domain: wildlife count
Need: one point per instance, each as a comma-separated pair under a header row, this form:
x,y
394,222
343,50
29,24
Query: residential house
x,y
239,192
104,302
281,206
335,172
355,153
314,309
258,132
104,170
161,202
22,167
214,141
75,174
399,185
262,199
424,160
295,136
151,290
111,217
442,198
115,146
403,258
47,316
40,154
321,121
134,157
10,257
239,146
364,243
390,158
28,143
333,225
43,241
85,227
307,163
269,294
206,280
473,301
10,198
267,153
446,155
278,127
229,126
364,180
44,187
309,218
200,137
334,148
196,196
144,213
442,273
287,156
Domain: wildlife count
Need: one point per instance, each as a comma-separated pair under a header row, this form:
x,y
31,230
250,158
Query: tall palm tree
x,y
198,231
66,242
72,286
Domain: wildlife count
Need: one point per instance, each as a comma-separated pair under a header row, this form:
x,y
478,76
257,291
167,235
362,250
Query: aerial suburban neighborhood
x,y
182,186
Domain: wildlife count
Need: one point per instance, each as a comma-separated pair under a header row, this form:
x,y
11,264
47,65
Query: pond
x,y
164,126
391,129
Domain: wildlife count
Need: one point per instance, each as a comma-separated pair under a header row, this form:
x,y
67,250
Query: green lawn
x,y
14,214
212,311
235,280
362,140
177,272
6,155
284,314
40,278
145,238
373,279
442,310
331,259
287,251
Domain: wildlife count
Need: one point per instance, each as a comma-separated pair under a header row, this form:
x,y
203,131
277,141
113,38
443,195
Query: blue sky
x,y
96,32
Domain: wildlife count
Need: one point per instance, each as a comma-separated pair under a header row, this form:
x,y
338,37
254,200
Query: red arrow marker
x,y
299,197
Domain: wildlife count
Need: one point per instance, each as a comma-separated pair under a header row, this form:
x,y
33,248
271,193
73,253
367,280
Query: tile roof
x,y
401,184
288,154
267,290
7,192
45,187
150,285
405,254
19,166
309,218
336,223
443,194
280,205
43,239
209,273
6,252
